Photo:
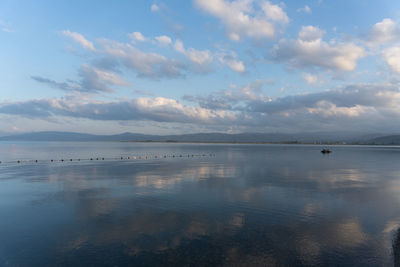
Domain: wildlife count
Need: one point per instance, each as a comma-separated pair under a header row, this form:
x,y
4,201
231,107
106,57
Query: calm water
x,y
249,205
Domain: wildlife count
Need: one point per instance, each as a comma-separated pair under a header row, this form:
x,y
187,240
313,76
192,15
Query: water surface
x,y
249,205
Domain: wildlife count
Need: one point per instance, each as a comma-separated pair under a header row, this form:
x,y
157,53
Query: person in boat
x,y
325,151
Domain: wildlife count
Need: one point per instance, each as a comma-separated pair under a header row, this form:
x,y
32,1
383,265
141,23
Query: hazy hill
x,y
385,140
318,137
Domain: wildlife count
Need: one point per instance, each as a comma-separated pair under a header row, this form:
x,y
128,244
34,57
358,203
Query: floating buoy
x,y
324,151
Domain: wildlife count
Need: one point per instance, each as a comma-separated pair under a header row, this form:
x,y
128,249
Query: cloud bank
x,y
359,106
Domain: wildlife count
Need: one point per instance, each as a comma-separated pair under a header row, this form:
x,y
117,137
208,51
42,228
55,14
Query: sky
x,y
173,67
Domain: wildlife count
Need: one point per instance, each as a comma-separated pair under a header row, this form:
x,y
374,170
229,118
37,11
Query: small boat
x,y
326,151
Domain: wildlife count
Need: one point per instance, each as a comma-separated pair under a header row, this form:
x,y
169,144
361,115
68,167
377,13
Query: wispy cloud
x,y
149,65
93,80
305,9
80,39
5,27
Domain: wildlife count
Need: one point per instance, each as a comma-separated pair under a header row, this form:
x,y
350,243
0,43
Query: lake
x,y
200,205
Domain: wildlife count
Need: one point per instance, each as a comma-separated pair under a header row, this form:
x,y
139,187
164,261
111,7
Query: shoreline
x,y
211,142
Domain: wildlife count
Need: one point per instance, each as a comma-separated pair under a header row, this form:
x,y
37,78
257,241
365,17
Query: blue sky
x,y
165,67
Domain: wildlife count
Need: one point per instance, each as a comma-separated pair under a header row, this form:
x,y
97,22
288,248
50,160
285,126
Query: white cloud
x,y
391,56
252,91
170,108
150,65
274,12
327,109
230,59
178,46
163,40
309,50
137,37
200,57
386,31
154,8
237,98
241,18
68,86
311,33
305,9
311,79
106,76
78,38
112,54
97,80
93,80
235,65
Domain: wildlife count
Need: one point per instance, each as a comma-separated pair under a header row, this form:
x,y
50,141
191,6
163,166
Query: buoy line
x,y
121,158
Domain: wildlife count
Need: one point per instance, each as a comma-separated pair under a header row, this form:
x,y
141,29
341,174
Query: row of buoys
x,y
122,158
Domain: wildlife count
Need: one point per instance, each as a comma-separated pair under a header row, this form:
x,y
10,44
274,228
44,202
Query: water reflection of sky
x,y
249,205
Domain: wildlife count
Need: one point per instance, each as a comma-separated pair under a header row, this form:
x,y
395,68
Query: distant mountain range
x,y
386,140
318,137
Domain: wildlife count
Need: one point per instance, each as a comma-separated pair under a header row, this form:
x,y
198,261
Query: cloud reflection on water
x,y
248,207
